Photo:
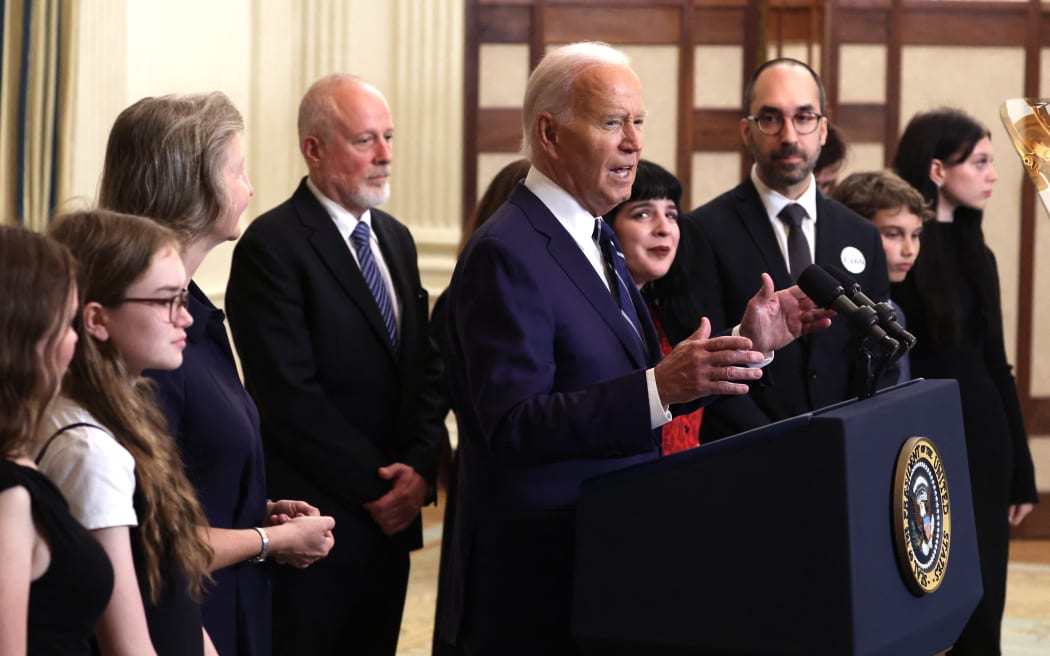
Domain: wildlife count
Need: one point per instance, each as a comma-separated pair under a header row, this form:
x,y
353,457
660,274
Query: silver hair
x,y
550,85
317,106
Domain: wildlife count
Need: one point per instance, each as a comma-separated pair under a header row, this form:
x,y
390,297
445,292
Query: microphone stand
x,y
871,361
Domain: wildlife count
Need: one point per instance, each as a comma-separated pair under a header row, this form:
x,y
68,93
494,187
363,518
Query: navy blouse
x,y
216,425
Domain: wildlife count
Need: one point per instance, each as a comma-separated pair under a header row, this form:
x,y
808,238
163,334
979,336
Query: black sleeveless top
x,y
174,621
68,599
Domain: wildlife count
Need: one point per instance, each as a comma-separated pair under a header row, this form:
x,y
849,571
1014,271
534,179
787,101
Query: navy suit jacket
x,y
725,247
548,383
336,400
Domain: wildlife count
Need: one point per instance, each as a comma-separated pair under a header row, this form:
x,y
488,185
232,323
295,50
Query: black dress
x,y
68,599
216,425
174,621
1001,471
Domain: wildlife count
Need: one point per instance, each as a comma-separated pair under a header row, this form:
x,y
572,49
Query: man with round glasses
x,y
775,221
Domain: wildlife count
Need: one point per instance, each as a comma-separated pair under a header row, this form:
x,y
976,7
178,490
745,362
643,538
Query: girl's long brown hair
x,y
37,283
114,250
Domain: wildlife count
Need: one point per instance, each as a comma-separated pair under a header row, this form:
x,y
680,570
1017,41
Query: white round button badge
x,y
853,260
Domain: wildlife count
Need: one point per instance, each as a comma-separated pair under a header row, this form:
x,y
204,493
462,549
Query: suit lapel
x,y
566,252
829,236
753,217
331,250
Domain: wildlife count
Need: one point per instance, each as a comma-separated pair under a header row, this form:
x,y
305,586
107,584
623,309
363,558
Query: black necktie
x,y
617,268
798,247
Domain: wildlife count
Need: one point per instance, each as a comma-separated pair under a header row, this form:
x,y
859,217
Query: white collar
x,y
774,201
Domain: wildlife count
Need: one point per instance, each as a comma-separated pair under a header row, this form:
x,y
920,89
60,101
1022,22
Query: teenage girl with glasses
x,y
106,445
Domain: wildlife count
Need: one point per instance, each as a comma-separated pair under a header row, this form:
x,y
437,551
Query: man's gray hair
x,y
317,106
550,85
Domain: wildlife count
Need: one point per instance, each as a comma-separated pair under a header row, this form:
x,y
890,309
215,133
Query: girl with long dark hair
x,y
952,301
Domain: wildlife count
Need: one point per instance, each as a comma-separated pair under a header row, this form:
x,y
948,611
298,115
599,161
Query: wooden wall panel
x,y
716,130
625,25
504,24
939,27
719,25
499,130
860,25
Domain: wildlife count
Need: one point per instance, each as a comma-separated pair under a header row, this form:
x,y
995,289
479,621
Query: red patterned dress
x,y
682,432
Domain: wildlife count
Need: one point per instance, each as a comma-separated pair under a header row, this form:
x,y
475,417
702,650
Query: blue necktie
x,y
360,239
617,267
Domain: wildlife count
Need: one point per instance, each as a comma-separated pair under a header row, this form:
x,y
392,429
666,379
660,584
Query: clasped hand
x,y
398,508
301,535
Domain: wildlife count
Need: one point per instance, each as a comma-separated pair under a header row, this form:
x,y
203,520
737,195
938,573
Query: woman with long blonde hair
x,y
106,446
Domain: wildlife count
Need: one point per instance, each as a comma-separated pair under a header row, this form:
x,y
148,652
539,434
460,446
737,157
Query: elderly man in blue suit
x,y
554,363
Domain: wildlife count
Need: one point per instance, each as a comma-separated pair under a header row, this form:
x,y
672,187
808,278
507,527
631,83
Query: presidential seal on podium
x,y
922,518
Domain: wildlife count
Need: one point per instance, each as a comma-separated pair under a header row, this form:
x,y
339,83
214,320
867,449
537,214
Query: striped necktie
x,y
360,240
617,267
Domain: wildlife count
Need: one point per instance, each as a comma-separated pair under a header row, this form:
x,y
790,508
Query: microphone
x,y
887,315
826,292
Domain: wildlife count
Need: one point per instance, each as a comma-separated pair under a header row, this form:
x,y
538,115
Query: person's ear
x,y
937,170
547,133
745,132
95,320
312,149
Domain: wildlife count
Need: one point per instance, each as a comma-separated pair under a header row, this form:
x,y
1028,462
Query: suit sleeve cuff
x,y
659,414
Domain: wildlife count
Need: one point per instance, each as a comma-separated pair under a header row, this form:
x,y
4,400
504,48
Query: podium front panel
x,y
776,541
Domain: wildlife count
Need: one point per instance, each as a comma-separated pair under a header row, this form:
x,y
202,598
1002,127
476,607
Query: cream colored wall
x,y
263,54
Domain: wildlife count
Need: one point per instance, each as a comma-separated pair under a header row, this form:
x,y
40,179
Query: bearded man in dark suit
x,y
729,243
330,320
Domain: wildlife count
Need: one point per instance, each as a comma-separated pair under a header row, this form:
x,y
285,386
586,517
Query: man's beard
x,y
366,196
779,176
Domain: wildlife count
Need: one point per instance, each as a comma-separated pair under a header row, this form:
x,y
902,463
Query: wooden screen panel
x,y
1003,24
498,24
624,25
862,122
499,130
716,130
719,25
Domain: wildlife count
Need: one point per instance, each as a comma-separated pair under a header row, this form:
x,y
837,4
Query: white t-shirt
x,y
93,471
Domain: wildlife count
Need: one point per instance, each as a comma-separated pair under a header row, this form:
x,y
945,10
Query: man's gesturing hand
x,y
699,366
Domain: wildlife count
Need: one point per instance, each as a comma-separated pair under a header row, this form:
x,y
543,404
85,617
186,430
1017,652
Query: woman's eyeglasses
x,y
173,303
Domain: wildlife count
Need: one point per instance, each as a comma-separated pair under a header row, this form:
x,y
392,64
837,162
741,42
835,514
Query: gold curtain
x,y
35,109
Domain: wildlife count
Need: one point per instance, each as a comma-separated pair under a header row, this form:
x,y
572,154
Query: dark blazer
x,y
548,384
336,401
725,247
